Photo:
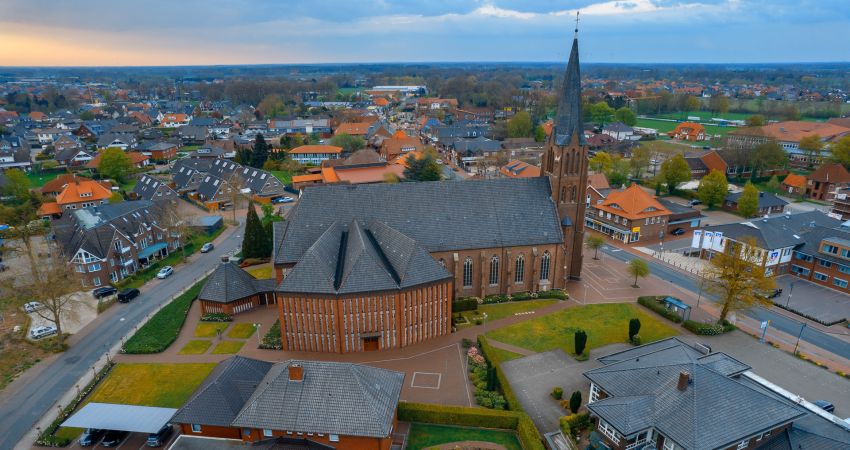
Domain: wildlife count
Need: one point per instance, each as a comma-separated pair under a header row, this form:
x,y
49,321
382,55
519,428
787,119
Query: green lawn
x,y
227,347
260,272
498,356
209,329
428,435
284,176
39,180
241,331
198,347
605,324
664,126
501,310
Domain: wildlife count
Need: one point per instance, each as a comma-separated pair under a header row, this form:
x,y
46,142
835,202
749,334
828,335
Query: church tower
x,y
565,163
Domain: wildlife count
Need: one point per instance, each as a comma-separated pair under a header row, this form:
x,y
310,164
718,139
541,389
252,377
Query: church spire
x,y
569,120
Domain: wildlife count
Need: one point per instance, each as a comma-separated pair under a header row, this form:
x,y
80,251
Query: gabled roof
x,y
135,159
82,190
520,169
779,231
830,173
794,180
598,181
766,199
353,128
316,149
149,188
632,203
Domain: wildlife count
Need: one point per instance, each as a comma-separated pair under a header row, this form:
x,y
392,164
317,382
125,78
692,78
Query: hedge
x,y
527,433
48,437
502,381
651,302
163,328
708,329
465,304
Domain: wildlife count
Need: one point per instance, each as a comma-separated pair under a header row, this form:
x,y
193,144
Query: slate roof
x,y
714,411
618,127
778,231
766,199
502,212
187,172
229,283
149,188
569,120
224,392
333,398
476,145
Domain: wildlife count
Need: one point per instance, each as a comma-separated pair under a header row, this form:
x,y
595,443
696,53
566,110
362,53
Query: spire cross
x,y
576,30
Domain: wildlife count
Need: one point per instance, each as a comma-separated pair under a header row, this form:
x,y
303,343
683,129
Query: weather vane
x,y
577,23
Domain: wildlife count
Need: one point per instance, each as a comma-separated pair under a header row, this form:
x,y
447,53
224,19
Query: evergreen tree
x,y
260,152
254,242
634,328
580,338
423,169
575,402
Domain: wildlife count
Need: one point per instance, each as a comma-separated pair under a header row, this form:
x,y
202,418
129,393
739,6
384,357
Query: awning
x,y
146,253
675,302
109,416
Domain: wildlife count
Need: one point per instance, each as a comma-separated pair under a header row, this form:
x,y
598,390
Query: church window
x,y
544,266
494,270
551,163
467,273
563,194
573,194
519,275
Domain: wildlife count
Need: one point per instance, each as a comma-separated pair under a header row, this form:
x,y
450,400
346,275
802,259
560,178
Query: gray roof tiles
x,y
229,283
569,120
778,231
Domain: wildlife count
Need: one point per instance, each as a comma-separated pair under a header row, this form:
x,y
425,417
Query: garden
x,y
163,328
429,435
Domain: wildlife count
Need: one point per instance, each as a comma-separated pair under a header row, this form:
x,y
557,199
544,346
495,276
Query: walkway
x,y
511,348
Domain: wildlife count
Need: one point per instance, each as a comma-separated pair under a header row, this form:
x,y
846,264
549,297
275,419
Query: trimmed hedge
x,y
48,437
163,328
527,433
708,329
651,302
217,317
501,381
465,304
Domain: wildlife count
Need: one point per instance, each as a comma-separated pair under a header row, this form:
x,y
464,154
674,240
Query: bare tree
x,y
58,282
27,226
175,225
235,186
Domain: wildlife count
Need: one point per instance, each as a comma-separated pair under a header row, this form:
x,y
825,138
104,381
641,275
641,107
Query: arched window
x,y
544,266
519,269
494,270
550,166
573,194
467,272
563,194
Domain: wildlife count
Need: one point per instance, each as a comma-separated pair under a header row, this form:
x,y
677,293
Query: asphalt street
x,y
778,321
21,410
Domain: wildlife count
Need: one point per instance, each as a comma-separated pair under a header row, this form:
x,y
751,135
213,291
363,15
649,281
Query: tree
x,y
719,104
580,341
271,105
755,120
713,188
115,164
234,191
520,125
769,155
601,113
177,226
349,143
841,151
812,145
423,169
594,242
260,152
116,197
26,226
601,162
691,103
738,277
618,174
634,328
639,161
539,134
625,115
254,241
86,115
674,171
748,202
638,268
17,185
575,401
773,185
53,288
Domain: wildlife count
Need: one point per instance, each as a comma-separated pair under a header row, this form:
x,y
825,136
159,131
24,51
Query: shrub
x,y
466,343
634,327
162,329
465,304
478,321
652,303
636,339
501,381
553,293
708,329
272,339
575,423
575,401
216,317
580,341
558,393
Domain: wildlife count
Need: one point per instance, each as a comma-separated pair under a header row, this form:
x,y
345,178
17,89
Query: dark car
x,y
104,291
128,294
113,438
824,405
678,232
91,436
159,438
775,293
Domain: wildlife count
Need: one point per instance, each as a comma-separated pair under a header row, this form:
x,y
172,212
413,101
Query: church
x,y
377,266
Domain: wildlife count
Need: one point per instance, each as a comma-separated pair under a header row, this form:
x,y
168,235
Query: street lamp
x,y
790,291
257,327
797,345
701,283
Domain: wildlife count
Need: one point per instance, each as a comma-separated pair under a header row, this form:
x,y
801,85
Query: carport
x,y
109,416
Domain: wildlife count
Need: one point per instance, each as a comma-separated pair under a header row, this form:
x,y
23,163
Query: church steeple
x,y
569,120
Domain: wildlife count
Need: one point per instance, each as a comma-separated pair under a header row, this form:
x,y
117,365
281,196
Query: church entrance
x,y
371,341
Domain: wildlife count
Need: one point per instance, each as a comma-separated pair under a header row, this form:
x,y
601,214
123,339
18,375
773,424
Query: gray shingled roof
x,y
224,392
778,231
334,398
766,199
229,283
149,188
439,216
569,120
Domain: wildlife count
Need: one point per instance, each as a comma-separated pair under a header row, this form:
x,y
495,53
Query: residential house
x,y
150,188
689,131
474,149
117,140
315,154
66,142
107,243
46,136
360,129
137,160
703,162
299,126
768,203
392,147
597,189
328,405
173,120
795,185
425,104
619,131
628,215
55,186
519,169
209,153
79,193
73,156
823,183
191,134
187,173
159,151
261,185
14,153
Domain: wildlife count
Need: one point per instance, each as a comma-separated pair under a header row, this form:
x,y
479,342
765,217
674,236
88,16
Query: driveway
x,y
80,310
813,300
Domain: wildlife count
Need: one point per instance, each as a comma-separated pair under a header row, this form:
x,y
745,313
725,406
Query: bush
x,y
636,339
634,327
575,401
574,423
272,339
501,381
465,304
708,329
580,341
652,303
553,293
162,329
558,393
216,317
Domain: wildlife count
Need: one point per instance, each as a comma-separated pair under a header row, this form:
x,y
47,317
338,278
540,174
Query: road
x,y
778,321
21,410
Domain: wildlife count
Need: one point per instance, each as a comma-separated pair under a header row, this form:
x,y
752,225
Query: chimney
x,y
684,378
296,372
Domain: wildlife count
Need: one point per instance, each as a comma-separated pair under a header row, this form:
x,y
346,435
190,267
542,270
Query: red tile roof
x,y
633,203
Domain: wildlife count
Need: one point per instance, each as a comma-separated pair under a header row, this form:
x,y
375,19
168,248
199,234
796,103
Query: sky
x,y
194,32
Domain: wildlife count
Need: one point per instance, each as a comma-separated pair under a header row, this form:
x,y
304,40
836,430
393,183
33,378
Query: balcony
x,y
125,249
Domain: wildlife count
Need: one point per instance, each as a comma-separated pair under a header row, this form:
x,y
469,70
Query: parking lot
x,y
824,304
135,441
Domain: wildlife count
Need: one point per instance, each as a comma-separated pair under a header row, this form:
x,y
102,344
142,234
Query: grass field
x,y
227,347
241,331
501,310
605,324
428,435
260,272
284,176
704,115
209,329
667,147
37,181
198,347
664,126
498,356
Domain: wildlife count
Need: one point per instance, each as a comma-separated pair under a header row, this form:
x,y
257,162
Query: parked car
x,y
159,438
678,232
284,199
32,307
128,294
3,267
104,291
113,438
42,331
694,202
775,293
824,405
165,272
91,436
207,247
